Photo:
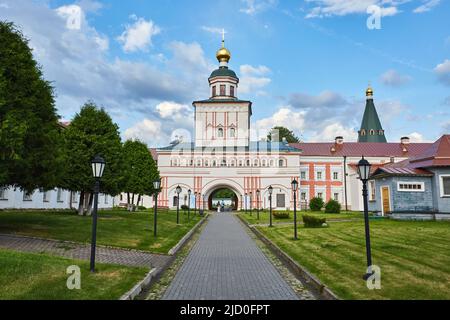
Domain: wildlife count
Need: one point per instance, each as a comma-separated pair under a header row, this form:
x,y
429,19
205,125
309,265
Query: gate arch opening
x,y
224,197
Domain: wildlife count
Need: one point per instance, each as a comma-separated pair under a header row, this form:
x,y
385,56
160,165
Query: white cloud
x,y
442,71
73,14
173,110
138,36
394,79
253,79
284,117
332,130
253,7
328,8
427,6
416,137
148,131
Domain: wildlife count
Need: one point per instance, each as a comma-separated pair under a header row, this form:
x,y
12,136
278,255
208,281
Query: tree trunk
x,y
81,204
89,207
70,200
138,201
132,204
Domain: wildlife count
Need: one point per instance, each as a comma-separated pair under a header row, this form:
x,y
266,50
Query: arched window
x,y
255,163
220,133
232,132
224,162
248,162
206,163
372,132
381,132
363,132
281,163
214,164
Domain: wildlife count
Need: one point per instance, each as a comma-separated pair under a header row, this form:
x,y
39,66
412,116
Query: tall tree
x,y
140,170
29,130
278,133
92,132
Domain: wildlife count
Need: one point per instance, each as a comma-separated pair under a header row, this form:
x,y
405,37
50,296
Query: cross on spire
x,y
223,37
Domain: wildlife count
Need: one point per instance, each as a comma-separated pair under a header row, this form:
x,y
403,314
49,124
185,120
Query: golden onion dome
x,y
369,92
223,54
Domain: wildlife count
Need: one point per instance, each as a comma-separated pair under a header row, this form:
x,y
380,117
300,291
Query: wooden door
x,y
386,200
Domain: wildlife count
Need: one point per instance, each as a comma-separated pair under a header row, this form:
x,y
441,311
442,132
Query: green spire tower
x,y
371,129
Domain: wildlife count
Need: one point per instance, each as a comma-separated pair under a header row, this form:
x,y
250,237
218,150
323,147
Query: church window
x,y
255,163
372,132
303,175
271,163
381,132
214,91
281,163
220,133
248,162
232,132
319,175
232,91
206,163
214,164
263,162
363,132
224,162
241,163
199,163
222,90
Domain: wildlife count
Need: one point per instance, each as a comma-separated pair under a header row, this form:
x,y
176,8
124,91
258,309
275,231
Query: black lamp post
x,y
178,191
195,203
258,193
270,205
364,174
205,199
242,203
294,184
250,203
157,187
245,200
98,166
189,204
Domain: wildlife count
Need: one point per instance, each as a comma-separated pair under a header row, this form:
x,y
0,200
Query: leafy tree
x,y
140,170
224,194
278,133
91,133
316,204
29,130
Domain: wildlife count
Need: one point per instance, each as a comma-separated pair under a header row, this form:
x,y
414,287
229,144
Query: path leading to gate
x,y
226,264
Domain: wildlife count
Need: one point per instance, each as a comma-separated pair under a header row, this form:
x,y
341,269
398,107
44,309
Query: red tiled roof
x,y
438,154
358,149
403,168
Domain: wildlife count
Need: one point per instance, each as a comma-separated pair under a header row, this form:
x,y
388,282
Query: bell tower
x,y
371,129
222,120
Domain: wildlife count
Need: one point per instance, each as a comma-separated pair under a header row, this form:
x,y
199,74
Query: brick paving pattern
x,y
83,251
226,264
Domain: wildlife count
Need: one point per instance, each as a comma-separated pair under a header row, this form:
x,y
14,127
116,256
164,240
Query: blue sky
x,y
304,64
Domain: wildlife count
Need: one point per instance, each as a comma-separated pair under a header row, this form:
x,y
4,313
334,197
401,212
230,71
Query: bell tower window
x,y
232,91
214,91
222,89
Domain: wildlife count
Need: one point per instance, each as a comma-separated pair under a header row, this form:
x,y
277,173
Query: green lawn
x,y
414,257
29,276
264,216
116,228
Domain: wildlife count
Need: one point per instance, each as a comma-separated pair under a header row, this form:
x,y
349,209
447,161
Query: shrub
x,y
184,207
142,208
316,204
333,206
313,222
281,215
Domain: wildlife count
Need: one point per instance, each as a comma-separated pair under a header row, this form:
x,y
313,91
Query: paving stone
x,y
226,264
83,251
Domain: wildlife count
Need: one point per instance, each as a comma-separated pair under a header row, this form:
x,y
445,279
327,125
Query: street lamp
x,y
258,193
242,202
98,166
156,187
189,205
178,191
195,203
245,200
364,174
250,203
270,205
205,198
294,184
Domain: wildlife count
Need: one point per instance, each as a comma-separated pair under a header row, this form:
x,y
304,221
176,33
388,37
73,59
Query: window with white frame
x,y
3,194
336,196
371,190
302,175
232,132
303,196
220,133
445,185
319,175
59,195
406,186
46,196
320,195
335,175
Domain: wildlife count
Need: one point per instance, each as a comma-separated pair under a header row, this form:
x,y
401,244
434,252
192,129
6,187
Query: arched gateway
x,y
222,155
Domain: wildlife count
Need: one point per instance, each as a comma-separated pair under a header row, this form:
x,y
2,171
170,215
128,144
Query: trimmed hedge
x,y
333,206
313,222
281,215
316,204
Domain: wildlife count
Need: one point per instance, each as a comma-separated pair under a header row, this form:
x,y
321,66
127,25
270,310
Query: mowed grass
x,y
264,216
117,228
414,257
29,276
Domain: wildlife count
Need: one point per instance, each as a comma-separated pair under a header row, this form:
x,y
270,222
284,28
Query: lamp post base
x,y
367,276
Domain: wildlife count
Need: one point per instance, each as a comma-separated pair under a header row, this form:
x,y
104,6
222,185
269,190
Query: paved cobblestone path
x,y
83,251
226,264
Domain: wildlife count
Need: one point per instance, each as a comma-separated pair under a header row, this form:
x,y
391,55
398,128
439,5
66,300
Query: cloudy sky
x,y
304,64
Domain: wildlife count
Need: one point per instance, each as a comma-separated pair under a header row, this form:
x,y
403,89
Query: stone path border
x,y
301,272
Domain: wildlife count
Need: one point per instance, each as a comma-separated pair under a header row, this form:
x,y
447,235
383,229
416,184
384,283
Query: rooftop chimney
x,y
339,140
404,140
